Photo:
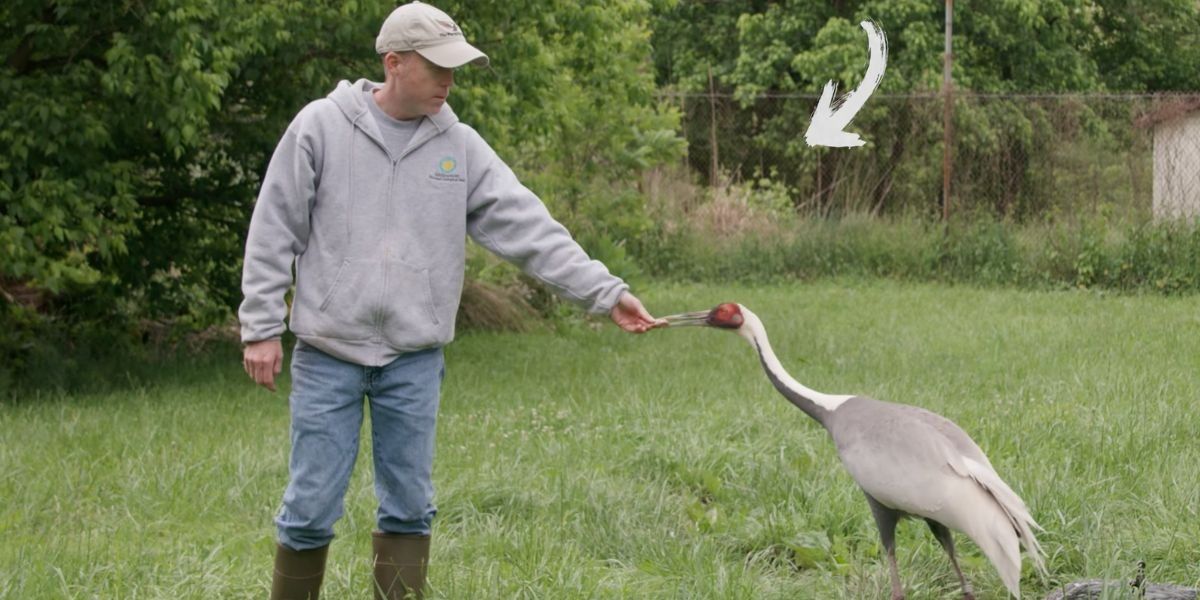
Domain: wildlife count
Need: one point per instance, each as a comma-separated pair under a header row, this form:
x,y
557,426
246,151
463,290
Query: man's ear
x,y
392,60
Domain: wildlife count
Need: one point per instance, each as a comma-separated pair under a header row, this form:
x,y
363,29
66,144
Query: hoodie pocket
x,y
337,283
380,300
350,309
409,319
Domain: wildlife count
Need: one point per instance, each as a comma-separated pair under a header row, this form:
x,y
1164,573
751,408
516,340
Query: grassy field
x,y
586,463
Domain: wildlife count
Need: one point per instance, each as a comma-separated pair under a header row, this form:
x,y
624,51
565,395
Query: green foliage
x,y
1012,46
1026,46
1148,45
569,102
1159,258
133,139
1007,151
983,251
133,136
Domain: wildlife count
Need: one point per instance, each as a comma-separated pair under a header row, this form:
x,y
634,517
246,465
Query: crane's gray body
x,y
896,453
907,460
880,442
913,462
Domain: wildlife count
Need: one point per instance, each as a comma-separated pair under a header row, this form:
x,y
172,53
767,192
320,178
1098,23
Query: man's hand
x,y
630,315
263,361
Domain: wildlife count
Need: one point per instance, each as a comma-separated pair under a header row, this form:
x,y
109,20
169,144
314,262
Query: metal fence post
x,y
713,167
947,113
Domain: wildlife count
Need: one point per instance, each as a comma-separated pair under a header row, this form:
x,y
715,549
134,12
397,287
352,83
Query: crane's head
x,y
724,316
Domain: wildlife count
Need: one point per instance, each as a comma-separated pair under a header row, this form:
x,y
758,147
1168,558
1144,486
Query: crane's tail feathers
x,y
1014,508
992,531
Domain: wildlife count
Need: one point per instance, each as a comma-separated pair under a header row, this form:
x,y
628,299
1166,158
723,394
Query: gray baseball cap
x,y
431,33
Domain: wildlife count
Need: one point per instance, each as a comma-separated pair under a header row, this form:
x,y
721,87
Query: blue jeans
x,y
327,414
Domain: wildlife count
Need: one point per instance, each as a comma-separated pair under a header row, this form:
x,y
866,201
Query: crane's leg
x,y
942,533
885,521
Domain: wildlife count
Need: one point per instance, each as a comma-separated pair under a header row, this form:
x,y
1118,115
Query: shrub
x,y
727,234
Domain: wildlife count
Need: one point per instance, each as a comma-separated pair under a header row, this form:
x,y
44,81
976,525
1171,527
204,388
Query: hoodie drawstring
x,y
350,199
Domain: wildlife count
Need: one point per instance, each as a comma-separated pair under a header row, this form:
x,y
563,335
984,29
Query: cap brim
x,y
454,55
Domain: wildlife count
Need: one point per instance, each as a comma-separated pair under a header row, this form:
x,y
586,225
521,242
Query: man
x,y
371,194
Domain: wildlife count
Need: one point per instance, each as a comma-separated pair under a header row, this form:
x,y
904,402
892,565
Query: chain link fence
x,y
1011,155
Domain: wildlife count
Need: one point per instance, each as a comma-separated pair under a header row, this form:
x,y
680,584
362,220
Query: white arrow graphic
x,y
828,127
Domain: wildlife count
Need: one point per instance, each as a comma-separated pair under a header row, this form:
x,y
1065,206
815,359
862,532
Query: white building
x,y
1176,127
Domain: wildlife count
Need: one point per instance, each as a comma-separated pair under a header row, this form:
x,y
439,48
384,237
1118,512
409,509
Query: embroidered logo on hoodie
x,y
447,170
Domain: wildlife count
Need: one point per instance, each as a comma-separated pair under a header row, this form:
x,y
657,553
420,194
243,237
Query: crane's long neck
x,y
813,403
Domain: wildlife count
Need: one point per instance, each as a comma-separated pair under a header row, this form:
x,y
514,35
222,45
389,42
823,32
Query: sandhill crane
x,y
908,462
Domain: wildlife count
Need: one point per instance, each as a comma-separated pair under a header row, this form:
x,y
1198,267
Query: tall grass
x,y
750,232
587,463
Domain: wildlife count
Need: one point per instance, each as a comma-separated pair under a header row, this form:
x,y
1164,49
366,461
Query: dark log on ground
x,y
1095,589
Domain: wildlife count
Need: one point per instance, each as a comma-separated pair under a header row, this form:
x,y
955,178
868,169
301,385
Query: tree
x,y
133,135
1148,45
756,49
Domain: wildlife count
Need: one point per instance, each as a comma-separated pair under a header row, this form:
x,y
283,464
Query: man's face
x,y
422,86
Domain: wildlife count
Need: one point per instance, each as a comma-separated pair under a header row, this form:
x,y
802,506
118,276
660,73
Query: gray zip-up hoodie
x,y
379,241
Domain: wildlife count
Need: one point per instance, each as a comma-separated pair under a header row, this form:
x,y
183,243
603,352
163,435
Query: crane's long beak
x,y
687,319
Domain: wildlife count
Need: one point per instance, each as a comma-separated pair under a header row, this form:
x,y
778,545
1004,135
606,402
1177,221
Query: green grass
x,y
586,463
1096,254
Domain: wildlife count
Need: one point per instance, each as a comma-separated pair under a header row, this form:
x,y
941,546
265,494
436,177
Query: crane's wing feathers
x,y
921,463
958,439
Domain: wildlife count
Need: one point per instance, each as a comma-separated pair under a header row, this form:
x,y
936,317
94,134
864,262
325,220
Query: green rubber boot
x,y
298,573
400,565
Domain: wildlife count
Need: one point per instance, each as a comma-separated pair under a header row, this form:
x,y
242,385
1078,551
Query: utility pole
x,y
947,113
714,165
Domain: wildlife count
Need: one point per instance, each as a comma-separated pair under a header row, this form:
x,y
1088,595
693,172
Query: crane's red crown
x,y
726,316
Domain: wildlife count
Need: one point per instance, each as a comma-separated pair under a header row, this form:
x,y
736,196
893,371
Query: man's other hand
x,y
263,361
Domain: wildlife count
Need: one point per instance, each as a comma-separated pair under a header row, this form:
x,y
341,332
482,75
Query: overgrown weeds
x,y
740,232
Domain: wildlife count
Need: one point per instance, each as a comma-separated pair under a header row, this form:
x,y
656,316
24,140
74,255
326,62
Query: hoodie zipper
x,y
413,145
388,258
